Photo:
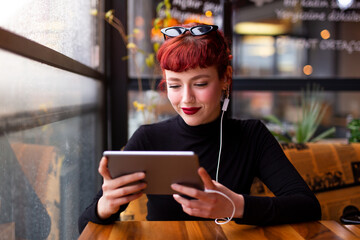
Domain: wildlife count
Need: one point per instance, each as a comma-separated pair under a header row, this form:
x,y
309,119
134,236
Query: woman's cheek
x,y
173,98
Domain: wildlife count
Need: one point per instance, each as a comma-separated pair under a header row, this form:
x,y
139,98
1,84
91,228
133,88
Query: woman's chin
x,y
191,120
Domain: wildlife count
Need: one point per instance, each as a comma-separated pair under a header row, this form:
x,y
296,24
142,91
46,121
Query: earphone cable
x,y
224,108
228,219
219,157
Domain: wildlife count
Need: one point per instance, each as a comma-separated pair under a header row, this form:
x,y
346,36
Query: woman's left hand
x,y
209,205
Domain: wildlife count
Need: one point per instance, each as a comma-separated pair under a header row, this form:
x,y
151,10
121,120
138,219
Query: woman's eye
x,y
200,84
174,86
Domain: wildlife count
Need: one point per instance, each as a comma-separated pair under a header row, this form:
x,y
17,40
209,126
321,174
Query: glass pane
x,y
142,16
26,85
157,107
65,26
51,139
52,173
296,38
340,108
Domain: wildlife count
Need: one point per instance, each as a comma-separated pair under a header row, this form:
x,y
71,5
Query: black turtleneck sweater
x,y
249,150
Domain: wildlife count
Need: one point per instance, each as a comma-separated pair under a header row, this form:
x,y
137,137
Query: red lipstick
x,y
191,110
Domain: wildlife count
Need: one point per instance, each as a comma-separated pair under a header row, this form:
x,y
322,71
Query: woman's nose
x,y
188,95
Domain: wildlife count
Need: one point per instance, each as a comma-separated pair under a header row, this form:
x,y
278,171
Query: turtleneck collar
x,y
202,129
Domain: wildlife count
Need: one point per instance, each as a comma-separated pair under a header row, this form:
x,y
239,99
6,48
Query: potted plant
x,y
309,118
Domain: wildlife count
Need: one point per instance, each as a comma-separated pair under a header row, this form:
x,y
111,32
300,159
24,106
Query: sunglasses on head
x,y
195,31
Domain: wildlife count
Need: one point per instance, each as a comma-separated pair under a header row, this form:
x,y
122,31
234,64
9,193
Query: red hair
x,y
186,52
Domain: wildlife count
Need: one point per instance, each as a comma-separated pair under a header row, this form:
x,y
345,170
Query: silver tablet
x,y
162,168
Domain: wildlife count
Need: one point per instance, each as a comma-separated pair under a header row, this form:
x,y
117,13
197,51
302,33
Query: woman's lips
x,y
190,111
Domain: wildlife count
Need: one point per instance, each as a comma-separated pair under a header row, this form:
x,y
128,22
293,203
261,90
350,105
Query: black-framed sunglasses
x,y
195,31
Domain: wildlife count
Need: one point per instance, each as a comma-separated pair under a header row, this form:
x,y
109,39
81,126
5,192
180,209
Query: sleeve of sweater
x,y
90,214
293,201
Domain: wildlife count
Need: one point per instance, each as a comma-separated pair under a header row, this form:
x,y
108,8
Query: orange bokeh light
x,y
308,70
325,34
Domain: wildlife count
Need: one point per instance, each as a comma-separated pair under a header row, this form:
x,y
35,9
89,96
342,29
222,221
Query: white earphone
x,y
225,104
224,108
226,100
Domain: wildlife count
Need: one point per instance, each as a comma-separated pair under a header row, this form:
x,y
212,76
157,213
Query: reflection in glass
x,y
48,174
316,33
285,106
253,56
26,85
51,139
64,26
157,108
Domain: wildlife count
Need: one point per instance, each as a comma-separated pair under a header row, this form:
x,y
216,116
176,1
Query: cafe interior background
x,y
78,77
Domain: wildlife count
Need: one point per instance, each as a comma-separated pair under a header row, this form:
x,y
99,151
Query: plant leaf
x,y
273,119
159,6
280,137
324,134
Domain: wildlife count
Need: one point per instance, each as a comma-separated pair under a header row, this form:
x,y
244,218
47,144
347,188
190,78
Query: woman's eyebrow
x,y
199,76
175,79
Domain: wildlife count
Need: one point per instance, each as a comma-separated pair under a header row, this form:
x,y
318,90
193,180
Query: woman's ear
x,y
227,78
228,73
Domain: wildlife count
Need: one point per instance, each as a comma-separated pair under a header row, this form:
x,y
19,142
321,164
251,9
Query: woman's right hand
x,y
115,191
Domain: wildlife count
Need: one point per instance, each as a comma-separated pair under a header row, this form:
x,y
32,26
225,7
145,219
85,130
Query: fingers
x,y
186,205
107,206
103,169
204,204
190,203
195,193
125,191
195,208
123,181
116,192
205,177
129,198
189,191
120,181
128,179
187,208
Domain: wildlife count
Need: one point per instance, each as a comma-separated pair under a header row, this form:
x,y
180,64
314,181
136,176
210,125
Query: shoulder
x,y
155,128
252,131
149,134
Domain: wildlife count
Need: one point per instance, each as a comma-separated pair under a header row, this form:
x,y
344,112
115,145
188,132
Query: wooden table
x,y
209,230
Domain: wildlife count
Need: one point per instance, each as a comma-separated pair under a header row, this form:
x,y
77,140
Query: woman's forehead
x,y
193,73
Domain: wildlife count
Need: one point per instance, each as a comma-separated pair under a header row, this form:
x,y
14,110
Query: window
x,y
281,47
51,125
66,27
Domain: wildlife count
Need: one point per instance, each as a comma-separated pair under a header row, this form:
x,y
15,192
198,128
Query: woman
x,y
196,67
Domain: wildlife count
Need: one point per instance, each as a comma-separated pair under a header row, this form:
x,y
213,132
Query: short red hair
x,y
186,52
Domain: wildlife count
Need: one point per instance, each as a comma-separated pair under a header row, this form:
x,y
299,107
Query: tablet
x,y
162,168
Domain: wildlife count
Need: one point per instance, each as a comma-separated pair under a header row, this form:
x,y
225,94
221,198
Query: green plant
x,y
311,113
354,127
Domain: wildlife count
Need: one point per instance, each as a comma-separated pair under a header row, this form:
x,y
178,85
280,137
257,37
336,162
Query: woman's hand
x,y
209,205
115,191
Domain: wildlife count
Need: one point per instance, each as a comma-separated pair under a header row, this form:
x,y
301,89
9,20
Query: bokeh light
x,y
308,70
325,34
